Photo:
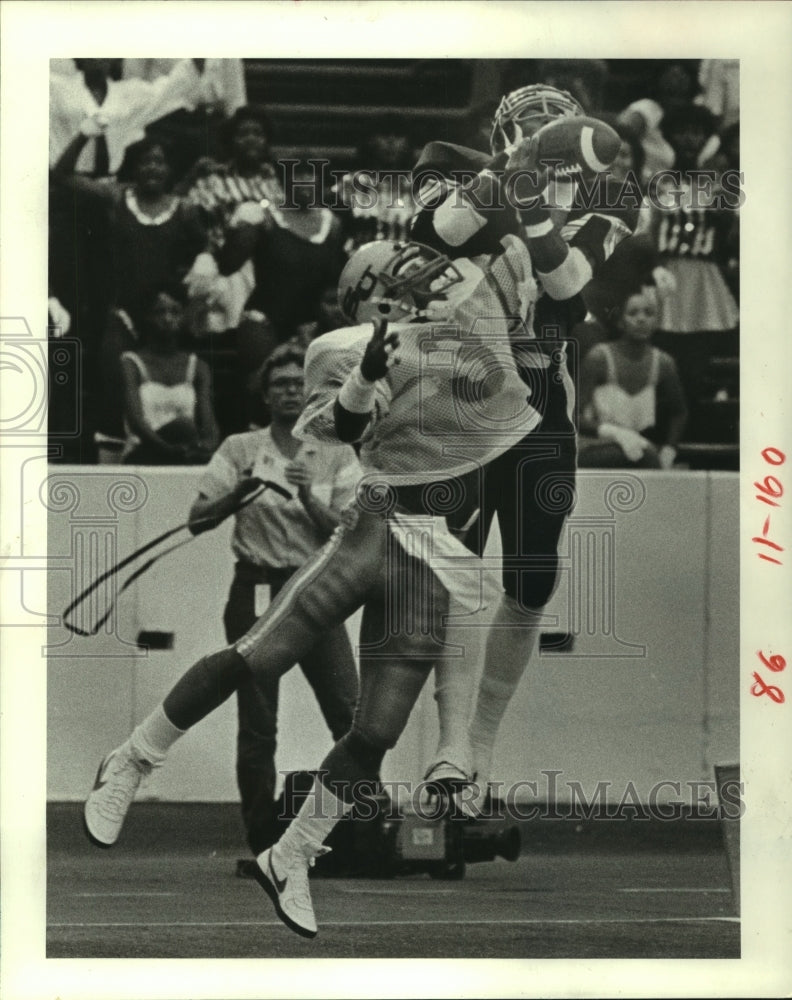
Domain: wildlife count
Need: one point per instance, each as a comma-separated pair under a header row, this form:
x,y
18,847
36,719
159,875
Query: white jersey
x,y
455,400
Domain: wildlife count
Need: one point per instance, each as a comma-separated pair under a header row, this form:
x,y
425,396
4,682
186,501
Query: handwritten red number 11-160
x,y
770,492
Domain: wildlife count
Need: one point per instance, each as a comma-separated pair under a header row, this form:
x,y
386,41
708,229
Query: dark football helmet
x,y
394,281
524,111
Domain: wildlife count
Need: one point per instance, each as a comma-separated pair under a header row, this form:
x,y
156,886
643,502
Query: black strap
x,y
136,574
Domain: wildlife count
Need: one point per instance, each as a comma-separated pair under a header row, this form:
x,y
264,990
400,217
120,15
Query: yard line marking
x,y
413,923
96,895
414,890
674,890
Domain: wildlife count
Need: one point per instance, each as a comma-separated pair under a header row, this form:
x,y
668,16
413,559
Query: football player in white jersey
x,y
431,395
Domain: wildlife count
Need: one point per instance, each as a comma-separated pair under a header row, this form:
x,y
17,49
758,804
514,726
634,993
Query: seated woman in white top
x,y
169,417
632,407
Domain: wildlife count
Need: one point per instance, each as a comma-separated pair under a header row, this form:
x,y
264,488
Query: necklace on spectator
x,y
149,220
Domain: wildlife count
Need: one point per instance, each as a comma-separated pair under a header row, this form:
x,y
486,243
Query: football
x,y
585,146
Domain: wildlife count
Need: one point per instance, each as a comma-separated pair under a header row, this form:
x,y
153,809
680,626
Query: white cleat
x,y
283,875
447,777
117,781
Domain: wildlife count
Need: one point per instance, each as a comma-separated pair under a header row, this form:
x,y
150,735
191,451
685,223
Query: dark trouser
x,y
531,487
329,667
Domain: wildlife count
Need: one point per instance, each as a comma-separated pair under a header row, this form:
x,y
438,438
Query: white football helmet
x,y
394,281
524,111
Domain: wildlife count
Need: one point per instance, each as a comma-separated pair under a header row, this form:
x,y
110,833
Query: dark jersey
x,y
600,216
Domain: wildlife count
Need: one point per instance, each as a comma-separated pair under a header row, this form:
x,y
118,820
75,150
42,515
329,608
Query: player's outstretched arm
x,y
354,404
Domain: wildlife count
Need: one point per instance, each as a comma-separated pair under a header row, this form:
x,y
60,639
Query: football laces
x,y
569,169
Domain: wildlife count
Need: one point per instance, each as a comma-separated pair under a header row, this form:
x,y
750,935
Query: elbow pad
x,y
456,220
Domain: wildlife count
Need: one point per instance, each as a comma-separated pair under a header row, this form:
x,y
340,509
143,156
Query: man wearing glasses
x,y
272,537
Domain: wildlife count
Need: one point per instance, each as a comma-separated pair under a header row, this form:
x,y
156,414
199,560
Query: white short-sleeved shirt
x,y
272,531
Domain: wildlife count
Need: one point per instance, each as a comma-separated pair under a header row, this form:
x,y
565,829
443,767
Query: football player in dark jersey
x,y
571,228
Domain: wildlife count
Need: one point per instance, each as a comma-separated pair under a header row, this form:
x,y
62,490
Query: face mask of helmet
x,y
394,281
523,112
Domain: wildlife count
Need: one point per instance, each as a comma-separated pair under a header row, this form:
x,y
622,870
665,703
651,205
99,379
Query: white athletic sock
x,y
454,694
314,822
155,735
510,644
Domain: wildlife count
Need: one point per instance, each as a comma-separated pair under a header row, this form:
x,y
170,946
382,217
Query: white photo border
x,y
755,32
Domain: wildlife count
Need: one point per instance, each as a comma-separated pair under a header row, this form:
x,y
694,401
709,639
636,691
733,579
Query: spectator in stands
x,y
632,408
695,232
719,80
167,391
146,237
727,159
111,112
633,259
272,537
296,250
89,102
328,317
629,161
378,204
218,189
195,132
92,105
674,87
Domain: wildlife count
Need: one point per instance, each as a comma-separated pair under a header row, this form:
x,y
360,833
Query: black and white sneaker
x,y
117,781
282,873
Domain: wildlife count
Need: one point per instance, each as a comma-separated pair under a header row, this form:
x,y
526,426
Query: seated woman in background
x,y
632,408
168,415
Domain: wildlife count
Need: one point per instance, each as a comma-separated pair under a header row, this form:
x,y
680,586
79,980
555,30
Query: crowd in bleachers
x,y
171,301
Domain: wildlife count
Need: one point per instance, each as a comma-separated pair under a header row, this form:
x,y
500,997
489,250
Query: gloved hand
x,y
379,353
